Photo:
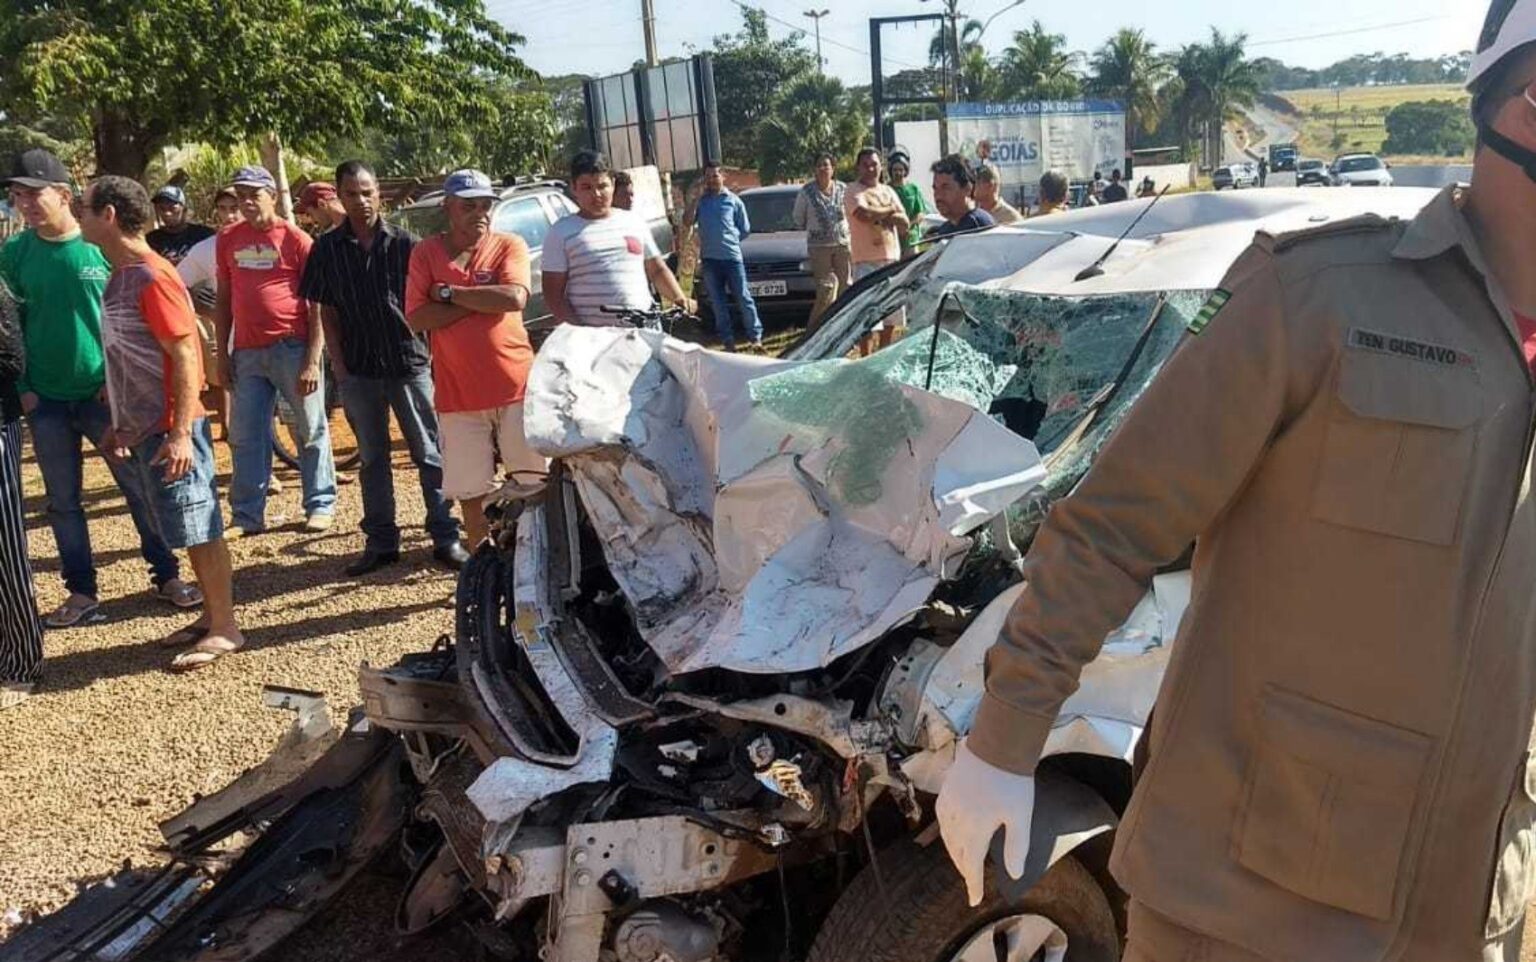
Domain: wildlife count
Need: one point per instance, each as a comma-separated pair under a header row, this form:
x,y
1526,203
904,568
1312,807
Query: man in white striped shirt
x,y
602,256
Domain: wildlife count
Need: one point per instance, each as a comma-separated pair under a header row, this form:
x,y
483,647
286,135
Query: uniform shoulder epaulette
x,y
1363,224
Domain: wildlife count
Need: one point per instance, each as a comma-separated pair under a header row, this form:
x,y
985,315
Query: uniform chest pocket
x,y
1399,447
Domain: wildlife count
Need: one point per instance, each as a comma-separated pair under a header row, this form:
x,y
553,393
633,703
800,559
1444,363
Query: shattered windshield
x,y
1060,371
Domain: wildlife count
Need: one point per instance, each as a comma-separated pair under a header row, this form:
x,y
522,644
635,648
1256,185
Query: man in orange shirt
x,y
467,289
876,219
159,431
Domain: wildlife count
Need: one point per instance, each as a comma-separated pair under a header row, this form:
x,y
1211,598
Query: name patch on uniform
x,y
1208,312
1375,341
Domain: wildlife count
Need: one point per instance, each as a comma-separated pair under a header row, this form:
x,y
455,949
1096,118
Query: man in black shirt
x,y
954,184
176,235
356,272
1115,192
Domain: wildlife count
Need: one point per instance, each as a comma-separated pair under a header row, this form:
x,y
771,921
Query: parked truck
x,y
1283,156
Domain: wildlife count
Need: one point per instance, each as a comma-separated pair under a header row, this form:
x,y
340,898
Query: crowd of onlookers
x,y
125,324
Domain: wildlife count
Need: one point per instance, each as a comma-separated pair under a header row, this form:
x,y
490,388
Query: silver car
x,y
1361,170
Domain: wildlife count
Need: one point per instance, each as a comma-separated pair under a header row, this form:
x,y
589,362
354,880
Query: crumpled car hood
x,y
769,516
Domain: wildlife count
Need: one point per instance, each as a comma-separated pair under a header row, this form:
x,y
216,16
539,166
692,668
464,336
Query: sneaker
x,y
317,523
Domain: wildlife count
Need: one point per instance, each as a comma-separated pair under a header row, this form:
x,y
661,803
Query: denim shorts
x,y
185,512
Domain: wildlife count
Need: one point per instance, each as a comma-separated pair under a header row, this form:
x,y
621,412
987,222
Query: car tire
x,y
928,918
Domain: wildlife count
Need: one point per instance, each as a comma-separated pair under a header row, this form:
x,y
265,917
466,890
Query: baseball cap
x,y
253,177
469,184
170,194
38,168
1510,25
314,193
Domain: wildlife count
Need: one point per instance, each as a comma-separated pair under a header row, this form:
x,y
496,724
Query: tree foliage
x,y
1129,69
1438,127
813,115
138,76
1038,66
751,69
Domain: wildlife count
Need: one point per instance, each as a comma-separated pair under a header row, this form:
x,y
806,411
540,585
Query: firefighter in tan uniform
x,y
1340,763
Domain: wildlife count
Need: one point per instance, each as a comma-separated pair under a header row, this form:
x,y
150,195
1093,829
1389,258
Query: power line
x,y
828,40
1345,33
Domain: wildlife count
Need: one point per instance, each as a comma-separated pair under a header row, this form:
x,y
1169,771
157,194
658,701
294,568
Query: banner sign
x,y
1024,140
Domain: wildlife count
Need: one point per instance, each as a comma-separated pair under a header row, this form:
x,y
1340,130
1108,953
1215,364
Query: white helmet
x,y
1511,24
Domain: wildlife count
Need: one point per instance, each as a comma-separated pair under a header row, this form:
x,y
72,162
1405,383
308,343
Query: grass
x,y
1362,115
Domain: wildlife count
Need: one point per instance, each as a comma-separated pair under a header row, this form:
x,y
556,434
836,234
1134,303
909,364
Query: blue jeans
x,y
58,427
720,276
260,375
368,401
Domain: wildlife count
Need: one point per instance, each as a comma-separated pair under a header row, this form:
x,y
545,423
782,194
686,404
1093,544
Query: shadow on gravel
x,y
83,668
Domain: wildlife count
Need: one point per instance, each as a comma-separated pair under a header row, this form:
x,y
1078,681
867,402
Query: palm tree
x,y
814,114
973,71
1037,66
1129,69
1215,79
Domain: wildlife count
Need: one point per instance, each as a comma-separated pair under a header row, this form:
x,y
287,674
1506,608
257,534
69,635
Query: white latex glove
x,y
977,799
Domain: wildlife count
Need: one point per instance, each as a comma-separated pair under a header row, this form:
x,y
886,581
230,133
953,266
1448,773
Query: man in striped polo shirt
x,y
357,274
602,256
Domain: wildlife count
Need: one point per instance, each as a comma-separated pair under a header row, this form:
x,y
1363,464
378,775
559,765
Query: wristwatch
x,y
444,293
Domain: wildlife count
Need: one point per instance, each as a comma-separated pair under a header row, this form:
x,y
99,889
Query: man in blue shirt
x,y
723,225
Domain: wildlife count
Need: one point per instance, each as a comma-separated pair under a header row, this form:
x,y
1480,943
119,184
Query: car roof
x,y
434,198
1355,156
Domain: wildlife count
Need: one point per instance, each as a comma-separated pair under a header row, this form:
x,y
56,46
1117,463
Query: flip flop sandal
x,y
180,594
69,615
15,693
182,637
188,661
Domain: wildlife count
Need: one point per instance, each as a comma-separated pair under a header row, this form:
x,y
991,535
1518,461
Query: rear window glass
x,y
1352,164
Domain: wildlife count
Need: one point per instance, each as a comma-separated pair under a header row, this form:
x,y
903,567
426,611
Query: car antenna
x,y
1096,269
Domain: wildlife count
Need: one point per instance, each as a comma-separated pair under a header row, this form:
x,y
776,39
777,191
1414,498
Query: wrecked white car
x,y
704,685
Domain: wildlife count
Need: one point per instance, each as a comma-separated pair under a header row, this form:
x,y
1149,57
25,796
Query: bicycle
x,y
650,318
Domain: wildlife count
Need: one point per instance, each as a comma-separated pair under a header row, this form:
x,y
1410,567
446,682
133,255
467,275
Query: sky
x,y
606,36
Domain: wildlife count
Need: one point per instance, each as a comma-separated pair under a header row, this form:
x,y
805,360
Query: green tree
x,y
1439,127
1128,69
1038,66
1214,81
141,75
813,115
751,69
974,74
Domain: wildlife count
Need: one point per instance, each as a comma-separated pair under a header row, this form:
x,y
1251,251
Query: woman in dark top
x,y
21,633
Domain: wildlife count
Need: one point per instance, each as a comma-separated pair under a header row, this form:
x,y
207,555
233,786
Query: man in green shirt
x,y
58,280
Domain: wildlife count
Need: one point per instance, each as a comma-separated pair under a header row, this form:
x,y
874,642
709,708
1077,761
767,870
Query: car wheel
x,y
925,916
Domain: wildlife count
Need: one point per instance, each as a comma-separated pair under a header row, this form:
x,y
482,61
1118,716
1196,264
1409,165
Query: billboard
x,y
662,116
1024,140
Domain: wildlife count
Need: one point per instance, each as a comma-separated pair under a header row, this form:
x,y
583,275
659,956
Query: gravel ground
x,y
113,743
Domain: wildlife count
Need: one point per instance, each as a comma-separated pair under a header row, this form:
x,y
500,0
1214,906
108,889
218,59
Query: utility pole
x,y
816,16
648,17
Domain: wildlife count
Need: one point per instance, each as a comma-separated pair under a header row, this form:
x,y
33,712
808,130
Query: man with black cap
x,y
1341,765
177,234
58,279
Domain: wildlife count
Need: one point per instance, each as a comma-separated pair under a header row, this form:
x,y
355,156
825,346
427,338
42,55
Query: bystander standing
x,y
602,257
357,274
58,278
876,218
318,202
820,213
199,270
900,167
159,433
723,224
954,186
1115,192
623,190
21,633
177,234
467,289
1053,193
989,195
278,340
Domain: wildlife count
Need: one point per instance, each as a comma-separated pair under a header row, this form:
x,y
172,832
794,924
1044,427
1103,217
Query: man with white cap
x,y
466,288
278,340
1340,767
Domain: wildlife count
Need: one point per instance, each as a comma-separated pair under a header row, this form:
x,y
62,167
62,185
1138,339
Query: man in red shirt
x,y
159,431
467,289
278,345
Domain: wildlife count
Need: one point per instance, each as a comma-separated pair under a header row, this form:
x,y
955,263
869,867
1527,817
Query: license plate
x,y
768,288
